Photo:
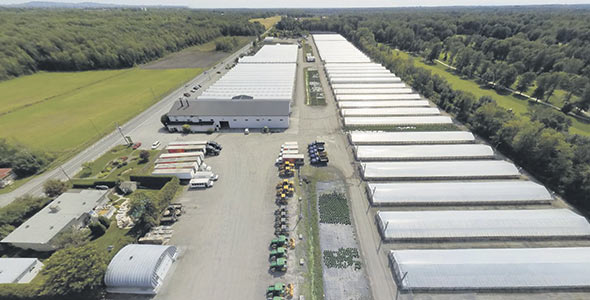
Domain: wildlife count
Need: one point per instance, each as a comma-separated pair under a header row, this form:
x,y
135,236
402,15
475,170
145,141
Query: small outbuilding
x,y
7,177
19,270
139,269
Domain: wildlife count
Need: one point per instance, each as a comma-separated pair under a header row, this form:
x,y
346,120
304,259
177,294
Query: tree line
x,y
539,141
544,48
22,161
75,40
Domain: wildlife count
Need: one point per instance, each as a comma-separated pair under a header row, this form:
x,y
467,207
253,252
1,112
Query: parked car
x,y
136,145
102,187
155,145
246,131
215,145
187,94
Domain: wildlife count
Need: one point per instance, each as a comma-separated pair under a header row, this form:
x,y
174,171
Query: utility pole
x,y
121,132
62,169
400,283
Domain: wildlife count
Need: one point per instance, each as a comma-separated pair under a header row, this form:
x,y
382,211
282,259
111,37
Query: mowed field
x,y
519,106
62,113
202,56
267,22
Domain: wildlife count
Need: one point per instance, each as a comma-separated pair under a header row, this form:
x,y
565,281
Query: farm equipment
x,y
280,241
280,252
282,212
282,230
278,265
282,199
278,291
287,191
285,183
281,222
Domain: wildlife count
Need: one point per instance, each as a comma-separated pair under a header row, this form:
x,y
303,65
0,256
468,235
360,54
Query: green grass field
x,y
62,113
267,22
519,106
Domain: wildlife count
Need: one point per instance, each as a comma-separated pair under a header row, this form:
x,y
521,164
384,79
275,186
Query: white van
x,y
200,183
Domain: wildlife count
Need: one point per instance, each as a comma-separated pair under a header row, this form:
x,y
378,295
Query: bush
x,y
104,221
97,229
54,187
186,128
145,156
74,270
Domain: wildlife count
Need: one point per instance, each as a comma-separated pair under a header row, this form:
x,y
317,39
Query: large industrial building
x,y
71,209
256,93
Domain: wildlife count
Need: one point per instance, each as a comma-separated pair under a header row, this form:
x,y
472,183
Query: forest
x,y
76,40
549,43
542,49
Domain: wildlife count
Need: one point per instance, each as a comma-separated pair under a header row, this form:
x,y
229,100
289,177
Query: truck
x,y
288,152
289,147
182,174
297,159
200,183
186,148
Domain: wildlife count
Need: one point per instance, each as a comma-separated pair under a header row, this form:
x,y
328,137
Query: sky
x,y
316,3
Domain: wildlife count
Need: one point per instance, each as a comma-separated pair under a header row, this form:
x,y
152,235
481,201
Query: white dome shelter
x,y
139,269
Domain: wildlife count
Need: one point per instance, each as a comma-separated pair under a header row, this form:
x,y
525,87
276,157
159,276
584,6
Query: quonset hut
x,y
139,269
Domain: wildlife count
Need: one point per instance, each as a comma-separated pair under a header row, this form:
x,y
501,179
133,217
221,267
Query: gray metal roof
x,y
423,152
53,218
418,120
13,269
134,266
242,107
488,269
415,137
359,97
384,104
395,111
421,170
478,224
458,192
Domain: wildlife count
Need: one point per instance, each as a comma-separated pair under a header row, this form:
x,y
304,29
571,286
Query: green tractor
x,y
279,265
279,291
280,241
280,252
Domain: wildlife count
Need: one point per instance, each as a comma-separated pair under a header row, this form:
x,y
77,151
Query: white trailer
x,y
184,165
288,151
182,154
183,174
187,143
175,160
186,148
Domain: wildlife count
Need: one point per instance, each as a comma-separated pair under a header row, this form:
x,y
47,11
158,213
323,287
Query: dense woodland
x,y
539,140
545,48
75,40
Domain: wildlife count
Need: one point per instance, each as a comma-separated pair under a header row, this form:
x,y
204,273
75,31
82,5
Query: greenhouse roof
x,y
486,269
482,224
414,137
458,192
421,170
423,152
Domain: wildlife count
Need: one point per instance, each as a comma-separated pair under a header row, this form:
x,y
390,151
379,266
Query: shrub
x,y
104,221
97,229
144,155
186,128
54,187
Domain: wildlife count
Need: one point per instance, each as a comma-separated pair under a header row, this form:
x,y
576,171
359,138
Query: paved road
x,y
148,119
